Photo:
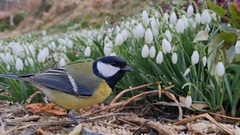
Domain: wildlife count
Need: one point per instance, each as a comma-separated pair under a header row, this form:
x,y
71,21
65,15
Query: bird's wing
x,y
59,79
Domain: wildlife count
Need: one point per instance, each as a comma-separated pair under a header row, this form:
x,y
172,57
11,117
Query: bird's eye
x,y
113,64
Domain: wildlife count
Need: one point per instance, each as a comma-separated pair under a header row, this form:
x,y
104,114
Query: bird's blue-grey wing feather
x,y
58,79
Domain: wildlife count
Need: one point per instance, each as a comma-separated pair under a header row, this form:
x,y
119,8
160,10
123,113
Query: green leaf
x,y
219,10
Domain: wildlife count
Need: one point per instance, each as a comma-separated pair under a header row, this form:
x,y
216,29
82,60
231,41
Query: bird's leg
x,y
72,117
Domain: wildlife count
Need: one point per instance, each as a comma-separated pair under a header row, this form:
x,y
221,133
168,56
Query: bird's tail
x,y
10,76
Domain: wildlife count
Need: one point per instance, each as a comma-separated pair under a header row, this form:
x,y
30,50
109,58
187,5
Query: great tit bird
x,y
78,85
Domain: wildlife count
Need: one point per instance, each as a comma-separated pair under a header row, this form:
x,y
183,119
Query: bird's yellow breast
x,y
68,101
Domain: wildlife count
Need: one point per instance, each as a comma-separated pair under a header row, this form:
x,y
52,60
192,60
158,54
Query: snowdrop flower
x,y
145,51
29,61
204,60
180,26
113,54
145,17
8,58
220,69
124,34
185,21
148,36
8,67
207,28
69,43
62,62
17,49
205,18
42,55
190,10
152,52
188,100
118,39
168,35
159,58
52,45
138,31
87,51
237,47
197,18
187,71
166,46
107,50
173,18
165,16
174,58
195,57
19,64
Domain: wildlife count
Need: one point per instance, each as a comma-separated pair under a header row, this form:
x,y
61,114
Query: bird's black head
x,y
111,69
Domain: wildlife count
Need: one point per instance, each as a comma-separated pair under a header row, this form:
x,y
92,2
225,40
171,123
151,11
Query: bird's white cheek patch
x,y
107,70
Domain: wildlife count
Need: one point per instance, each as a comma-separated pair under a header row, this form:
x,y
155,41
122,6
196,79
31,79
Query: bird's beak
x,y
127,69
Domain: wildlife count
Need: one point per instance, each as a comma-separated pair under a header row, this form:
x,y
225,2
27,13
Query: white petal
x,y
19,64
152,52
180,26
148,36
166,46
187,71
168,35
145,17
204,61
87,52
195,57
220,69
159,58
197,18
174,58
62,62
188,101
118,39
173,18
190,10
145,51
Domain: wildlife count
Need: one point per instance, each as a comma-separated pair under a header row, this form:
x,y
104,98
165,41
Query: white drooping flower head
x,y
145,51
42,55
173,18
165,16
118,39
204,60
145,17
174,58
87,51
19,64
195,57
190,10
138,31
197,18
148,36
62,62
206,17
220,69
152,52
180,26
188,100
159,58
237,47
185,21
166,46
125,35
187,71
168,35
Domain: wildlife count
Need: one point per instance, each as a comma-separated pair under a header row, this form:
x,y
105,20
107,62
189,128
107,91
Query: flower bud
x,y
188,100
124,34
145,17
187,71
185,21
165,16
168,35
195,57
118,39
205,18
220,69
19,64
197,18
173,18
62,62
166,46
87,51
174,58
190,10
204,61
159,58
148,36
237,47
152,52
180,26
145,51
138,31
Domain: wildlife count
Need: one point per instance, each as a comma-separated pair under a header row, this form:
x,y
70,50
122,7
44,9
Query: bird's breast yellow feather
x,y
68,101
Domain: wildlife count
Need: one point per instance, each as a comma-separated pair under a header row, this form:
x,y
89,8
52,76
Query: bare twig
x,y
29,100
207,116
127,90
151,124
